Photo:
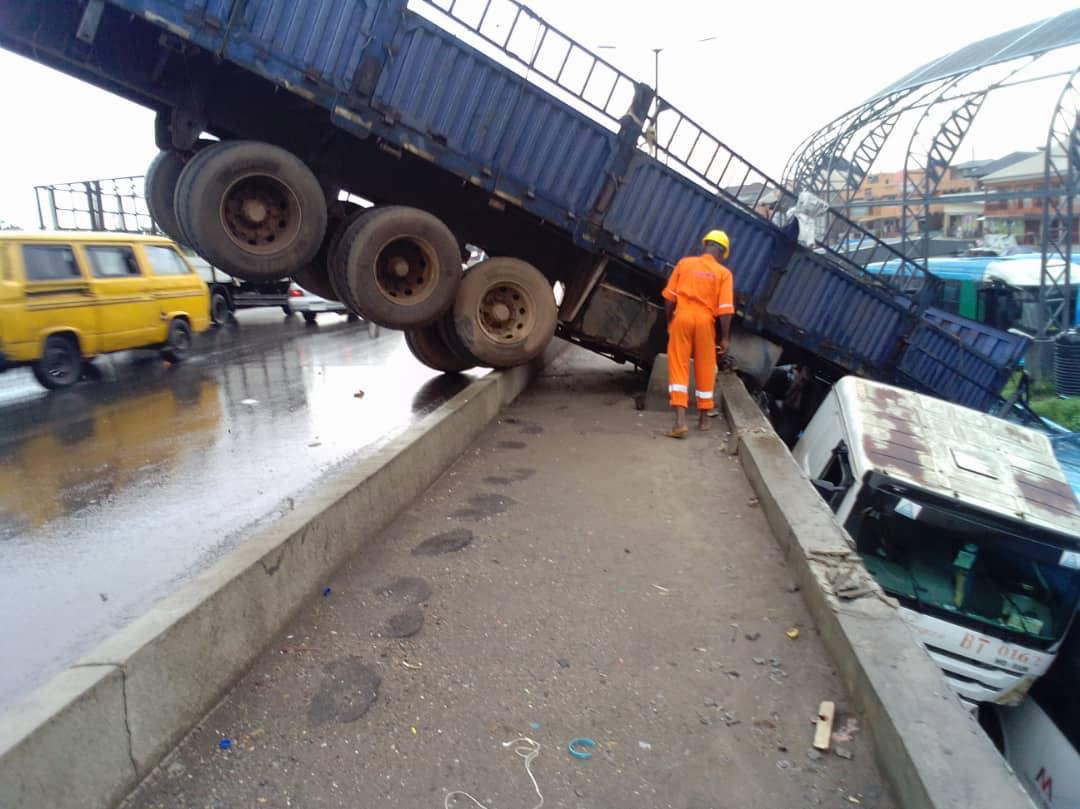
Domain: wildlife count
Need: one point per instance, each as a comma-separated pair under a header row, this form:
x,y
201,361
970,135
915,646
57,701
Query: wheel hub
x,y
260,214
255,211
406,270
506,313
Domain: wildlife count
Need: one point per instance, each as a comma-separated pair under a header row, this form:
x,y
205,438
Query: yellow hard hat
x,y
720,238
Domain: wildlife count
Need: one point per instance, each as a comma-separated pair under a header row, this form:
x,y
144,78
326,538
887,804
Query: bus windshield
x,y
969,573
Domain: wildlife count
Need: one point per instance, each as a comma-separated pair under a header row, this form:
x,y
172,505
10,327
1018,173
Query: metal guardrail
x,y
546,52
115,204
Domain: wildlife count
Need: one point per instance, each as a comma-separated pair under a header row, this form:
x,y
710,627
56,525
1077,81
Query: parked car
x,y
67,297
311,306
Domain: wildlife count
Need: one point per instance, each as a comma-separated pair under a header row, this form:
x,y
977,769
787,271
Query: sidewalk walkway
x,y
575,574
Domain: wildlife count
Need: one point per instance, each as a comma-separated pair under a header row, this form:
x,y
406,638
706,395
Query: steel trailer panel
x,y
664,214
492,124
1004,348
846,321
935,362
313,47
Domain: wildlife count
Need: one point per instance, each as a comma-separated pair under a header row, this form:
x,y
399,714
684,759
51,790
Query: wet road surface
x,y
118,490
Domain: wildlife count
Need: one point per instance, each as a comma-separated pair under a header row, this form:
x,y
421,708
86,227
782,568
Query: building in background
x,y
1020,191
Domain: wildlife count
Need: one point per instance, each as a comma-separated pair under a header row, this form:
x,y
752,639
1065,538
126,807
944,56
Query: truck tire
x,y
428,346
189,169
219,308
315,275
252,209
160,188
179,341
61,364
398,267
333,244
449,335
505,312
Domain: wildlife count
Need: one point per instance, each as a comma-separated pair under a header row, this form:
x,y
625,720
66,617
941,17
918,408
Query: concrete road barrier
x,y
930,749
85,738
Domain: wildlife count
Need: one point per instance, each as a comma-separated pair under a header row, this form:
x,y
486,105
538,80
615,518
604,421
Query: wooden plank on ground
x,y
823,733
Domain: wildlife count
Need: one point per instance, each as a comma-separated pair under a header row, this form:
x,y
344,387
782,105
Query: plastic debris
x,y
225,744
413,666
661,588
574,746
249,401
644,745
844,753
413,729
534,726
358,395
326,592
524,747
792,633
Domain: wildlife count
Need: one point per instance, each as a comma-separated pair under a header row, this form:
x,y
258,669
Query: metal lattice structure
x,y
114,204
1062,166
945,98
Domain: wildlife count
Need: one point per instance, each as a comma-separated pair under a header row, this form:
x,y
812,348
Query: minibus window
x,y
112,262
166,261
51,262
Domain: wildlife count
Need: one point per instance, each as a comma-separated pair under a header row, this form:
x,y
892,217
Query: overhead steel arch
x,y
944,98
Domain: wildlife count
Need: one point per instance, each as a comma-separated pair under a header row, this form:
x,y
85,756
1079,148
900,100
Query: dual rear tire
x,y
257,212
504,315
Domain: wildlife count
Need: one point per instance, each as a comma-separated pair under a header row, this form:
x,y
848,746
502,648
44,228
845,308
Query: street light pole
x,y
656,85
656,90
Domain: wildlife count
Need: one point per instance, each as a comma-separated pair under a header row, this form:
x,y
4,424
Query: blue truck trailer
x,y
474,122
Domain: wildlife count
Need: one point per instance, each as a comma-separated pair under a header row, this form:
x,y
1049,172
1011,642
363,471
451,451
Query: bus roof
x,y
1026,271
79,236
1020,270
951,451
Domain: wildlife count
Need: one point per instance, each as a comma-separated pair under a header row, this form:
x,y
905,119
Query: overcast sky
x,y
775,72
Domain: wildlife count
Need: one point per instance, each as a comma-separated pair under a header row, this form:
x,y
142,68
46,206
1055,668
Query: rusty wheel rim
x,y
506,313
406,271
261,214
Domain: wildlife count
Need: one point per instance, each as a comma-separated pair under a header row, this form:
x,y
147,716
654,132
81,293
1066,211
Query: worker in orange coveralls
x,y
699,293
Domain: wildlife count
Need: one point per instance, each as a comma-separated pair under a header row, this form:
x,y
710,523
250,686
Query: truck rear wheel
x,y
505,312
315,276
159,189
398,267
252,209
428,345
